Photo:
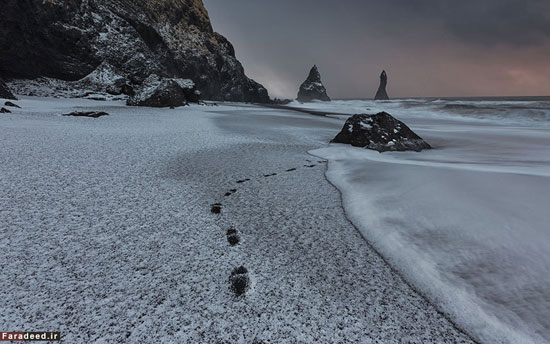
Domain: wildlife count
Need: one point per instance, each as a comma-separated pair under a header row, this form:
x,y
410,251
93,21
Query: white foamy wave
x,y
467,222
534,112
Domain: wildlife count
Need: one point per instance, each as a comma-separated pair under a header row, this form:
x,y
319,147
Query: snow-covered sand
x,y
468,222
106,232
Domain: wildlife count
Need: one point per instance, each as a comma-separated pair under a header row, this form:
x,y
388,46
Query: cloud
x,y
429,47
508,22
486,21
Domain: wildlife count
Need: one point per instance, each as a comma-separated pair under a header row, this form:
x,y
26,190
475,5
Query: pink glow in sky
x,y
429,48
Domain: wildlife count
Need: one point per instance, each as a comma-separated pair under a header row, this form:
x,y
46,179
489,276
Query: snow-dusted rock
x,y
381,94
5,91
192,95
313,88
136,38
104,74
106,78
157,92
381,132
120,86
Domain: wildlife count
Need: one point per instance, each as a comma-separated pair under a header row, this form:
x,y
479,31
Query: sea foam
x,y
466,223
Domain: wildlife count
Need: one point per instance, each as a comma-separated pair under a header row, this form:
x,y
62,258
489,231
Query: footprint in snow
x,y
270,175
230,192
239,280
291,169
243,181
216,208
233,237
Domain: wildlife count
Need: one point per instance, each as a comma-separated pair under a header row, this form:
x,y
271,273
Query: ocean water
x,y
467,223
524,111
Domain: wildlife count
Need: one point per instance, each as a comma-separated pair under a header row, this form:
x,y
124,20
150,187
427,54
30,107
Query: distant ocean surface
x,y
511,110
467,223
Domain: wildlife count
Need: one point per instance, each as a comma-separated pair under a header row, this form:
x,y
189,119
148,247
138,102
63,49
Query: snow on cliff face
x,y
170,38
5,92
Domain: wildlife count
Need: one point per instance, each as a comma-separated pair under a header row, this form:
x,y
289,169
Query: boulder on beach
x,y
381,94
165,92
120,86
5,91
381,132
278,101
89,114
313,88
106,78
10,104
192,95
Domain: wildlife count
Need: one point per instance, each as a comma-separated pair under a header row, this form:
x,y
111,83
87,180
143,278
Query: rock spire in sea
x,y
382,94
313,88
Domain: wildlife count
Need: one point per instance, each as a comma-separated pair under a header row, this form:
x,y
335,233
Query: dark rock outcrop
x,y
89,114
313,88
70,39
5,91
278,101
381,94
381,132
4,110
121,86
10,104
157,92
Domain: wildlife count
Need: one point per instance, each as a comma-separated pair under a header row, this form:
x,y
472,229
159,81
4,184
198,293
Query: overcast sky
x,y
428,47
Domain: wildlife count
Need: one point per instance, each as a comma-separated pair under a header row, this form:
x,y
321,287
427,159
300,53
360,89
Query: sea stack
x,y
5,92
313,88
382,94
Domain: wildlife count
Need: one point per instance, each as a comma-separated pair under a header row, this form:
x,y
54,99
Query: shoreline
x,y
302,110
391,266
158,252
415,209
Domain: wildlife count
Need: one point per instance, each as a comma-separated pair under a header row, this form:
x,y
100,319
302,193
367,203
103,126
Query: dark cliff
x,y
133,39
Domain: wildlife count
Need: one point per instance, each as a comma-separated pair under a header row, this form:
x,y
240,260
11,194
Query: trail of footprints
x,y
239,279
